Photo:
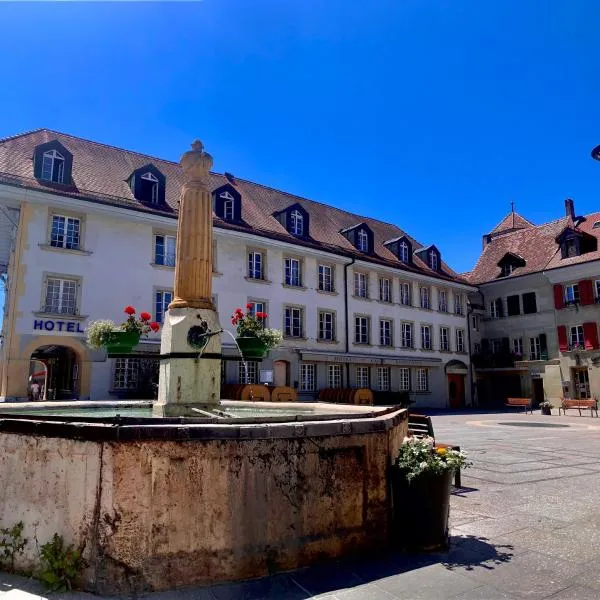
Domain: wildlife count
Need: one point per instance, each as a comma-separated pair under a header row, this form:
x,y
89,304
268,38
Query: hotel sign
x,y
57,325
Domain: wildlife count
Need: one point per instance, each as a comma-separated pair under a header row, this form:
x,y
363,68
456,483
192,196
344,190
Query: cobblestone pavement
x,y
526,524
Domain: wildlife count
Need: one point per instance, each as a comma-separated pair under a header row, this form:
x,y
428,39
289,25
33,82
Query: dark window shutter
x,y
543,346
559,301
512,306
586,292
500,307
563,344
485,345
590,336
505,345
529,303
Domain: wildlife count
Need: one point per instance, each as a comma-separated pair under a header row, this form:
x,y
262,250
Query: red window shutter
x,y
590,336
563,345
586,292
559,301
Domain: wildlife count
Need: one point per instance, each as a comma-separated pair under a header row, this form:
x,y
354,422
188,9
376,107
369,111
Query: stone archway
x,y
60,379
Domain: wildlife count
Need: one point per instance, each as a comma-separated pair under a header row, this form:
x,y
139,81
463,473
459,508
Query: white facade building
x,y
92,230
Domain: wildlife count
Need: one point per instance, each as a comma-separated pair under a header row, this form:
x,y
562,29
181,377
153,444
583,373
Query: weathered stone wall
x,y
168,513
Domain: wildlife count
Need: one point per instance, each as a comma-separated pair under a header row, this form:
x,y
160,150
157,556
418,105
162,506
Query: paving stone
x,y
368,591
492,527
576,592
485,592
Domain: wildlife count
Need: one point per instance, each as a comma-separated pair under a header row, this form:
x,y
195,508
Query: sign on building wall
x,y
57,325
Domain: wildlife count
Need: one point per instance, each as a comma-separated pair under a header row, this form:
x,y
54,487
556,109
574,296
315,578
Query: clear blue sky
x,y
433,115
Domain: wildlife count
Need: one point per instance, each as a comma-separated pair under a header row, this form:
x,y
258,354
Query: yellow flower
x,y
440,451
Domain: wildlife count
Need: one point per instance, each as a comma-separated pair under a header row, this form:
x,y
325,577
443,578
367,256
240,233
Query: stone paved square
x,y
525,525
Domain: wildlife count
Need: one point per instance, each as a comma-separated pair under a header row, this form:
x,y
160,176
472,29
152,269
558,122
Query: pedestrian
x,y
35,391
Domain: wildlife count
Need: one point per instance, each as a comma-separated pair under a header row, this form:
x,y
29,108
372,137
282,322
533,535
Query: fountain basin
x,y
159,503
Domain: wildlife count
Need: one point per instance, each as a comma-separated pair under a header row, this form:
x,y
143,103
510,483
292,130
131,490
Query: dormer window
x,y
362,240
149,188
296,223
228,201
148,185
53,166
509,263
403,254
433,260
506,269
571,247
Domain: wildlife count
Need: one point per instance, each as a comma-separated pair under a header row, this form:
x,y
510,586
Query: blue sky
x,y
433,115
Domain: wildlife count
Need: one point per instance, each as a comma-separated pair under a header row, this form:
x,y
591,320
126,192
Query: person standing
x,y
35,391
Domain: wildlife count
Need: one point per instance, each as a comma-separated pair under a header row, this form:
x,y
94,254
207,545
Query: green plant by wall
x,y
62,564
12,543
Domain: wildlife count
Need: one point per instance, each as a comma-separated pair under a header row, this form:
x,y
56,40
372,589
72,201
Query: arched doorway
x,y
56,370
281,373
456,372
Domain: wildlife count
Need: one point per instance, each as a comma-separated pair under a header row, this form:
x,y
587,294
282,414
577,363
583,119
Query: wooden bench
x,y
578,404
525,402
421,426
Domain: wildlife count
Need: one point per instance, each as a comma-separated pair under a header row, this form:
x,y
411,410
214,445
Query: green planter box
x,y
122,342
251,347
420,510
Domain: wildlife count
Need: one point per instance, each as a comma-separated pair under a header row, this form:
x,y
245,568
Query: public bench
x,y
578,404
421,426
524,402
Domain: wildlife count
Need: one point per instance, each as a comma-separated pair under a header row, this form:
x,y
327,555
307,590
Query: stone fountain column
x,y
186,379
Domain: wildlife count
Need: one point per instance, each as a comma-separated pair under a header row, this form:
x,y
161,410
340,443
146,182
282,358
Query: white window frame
x,y
424,297
386,330
361,285
576,336
517,346
475,322
572,294
405,293
48,159
403,251
426,341
293,322
362,330
535,348
460,340
407,335
494,305
506,269
326,325
443,301
385,289
293,272
258,306
307,377
70,240
169,242
444,339
422,380
162,299
64,297
383,379
326,278
296,222
334,376
362,377
362,240
433,260
404,377
248,375
126,373
459,307
148,176
255,258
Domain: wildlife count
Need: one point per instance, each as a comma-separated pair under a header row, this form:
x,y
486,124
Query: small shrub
x,y
12,543
98,333
62,564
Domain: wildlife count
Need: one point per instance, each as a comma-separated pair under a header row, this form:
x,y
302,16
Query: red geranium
x,y
262,315
154,326
249,306
145,316
129,310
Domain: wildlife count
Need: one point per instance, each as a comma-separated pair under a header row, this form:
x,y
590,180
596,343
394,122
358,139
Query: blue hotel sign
x,y
53,325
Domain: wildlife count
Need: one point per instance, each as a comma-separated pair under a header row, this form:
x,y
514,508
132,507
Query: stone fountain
x,y
181,496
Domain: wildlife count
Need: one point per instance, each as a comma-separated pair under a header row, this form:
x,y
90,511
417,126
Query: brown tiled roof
x,y
537,245
512,221
100,174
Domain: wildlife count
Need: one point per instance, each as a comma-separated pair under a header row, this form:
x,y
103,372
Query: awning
x,y
372,359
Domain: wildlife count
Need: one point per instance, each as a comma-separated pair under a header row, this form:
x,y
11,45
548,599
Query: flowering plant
x,y
420,455
252,324
99,332
545,404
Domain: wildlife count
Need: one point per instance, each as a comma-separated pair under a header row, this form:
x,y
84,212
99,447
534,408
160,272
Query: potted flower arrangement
x,y
120,339
546,407
421,479
253,338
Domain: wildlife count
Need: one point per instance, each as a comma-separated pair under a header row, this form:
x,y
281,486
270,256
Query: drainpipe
x,y
469,313
347,317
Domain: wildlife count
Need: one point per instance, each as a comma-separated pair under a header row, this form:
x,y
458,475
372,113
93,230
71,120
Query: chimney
x,y
569,209
487,238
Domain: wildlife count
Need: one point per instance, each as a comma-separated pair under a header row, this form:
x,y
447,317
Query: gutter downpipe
x,y
347,317
471,388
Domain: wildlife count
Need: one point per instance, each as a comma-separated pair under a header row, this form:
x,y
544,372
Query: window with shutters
x,y
590,336
576,340
513,306
529,303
